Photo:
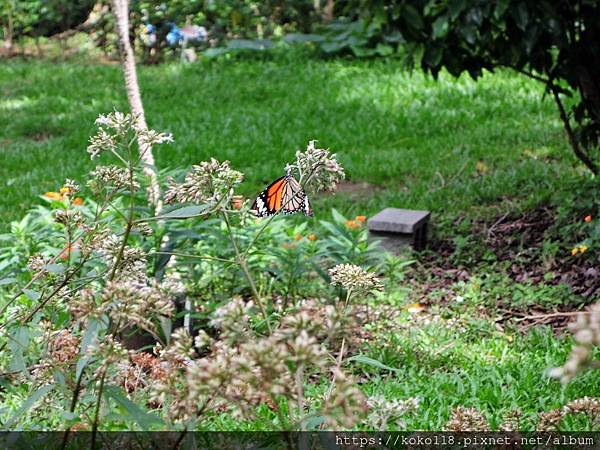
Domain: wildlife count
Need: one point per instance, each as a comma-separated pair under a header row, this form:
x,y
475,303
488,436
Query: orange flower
x,y
360,218
298,237
352,224
311,237
66,253
288,245
78,201
53,196
587,219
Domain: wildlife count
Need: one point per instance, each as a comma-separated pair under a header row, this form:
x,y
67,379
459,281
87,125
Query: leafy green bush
x,y
42,17
102,270
553,42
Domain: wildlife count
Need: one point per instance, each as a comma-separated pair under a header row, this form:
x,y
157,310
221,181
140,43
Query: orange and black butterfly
x,y
284,194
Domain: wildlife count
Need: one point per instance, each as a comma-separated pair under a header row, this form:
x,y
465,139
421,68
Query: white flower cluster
x,y
355,278
209,182
383,413
317,168
115,126
586,331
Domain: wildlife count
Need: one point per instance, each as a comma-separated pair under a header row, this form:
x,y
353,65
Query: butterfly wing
x,y
268,201
283,193
294,198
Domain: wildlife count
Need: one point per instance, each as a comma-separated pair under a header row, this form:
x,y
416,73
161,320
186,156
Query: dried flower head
x,y
355,278
63,346
113,177
133,261
346,405
100,142
37,263
511,420
317,168
383,413
549,421
232,320
209,182
70,188
586,405
586,331
108,351
466,419
131,302
68,217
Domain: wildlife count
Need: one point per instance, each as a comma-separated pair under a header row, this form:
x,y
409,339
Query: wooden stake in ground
x,y
120,10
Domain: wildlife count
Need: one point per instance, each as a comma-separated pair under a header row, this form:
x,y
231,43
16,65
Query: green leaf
x,y
27,404
248,44
337,216
18,343
362,359
300,37
184,213
433,56
5,281
89,334
384,50
214,52
440,27
33,295
412,17
144,419
55,268
455,7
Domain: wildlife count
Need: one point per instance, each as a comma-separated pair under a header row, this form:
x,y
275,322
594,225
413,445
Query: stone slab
x,y
396,220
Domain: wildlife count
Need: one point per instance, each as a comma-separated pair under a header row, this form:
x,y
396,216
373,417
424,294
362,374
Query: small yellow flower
x,y
481,167
53,196
575,251
311,237
65,190
414,308
583,248
587,219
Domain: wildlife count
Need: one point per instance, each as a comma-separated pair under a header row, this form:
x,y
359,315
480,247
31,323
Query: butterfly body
x,y
284,194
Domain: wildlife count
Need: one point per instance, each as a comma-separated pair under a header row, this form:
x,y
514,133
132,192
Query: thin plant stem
x,y
300,393
187,255
97,411
244,266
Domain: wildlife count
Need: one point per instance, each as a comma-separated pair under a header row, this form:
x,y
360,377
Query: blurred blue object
x,y
174,36
194,33
149,36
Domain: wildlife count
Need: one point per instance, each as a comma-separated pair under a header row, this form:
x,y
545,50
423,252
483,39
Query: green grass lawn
x,y
415,139
450,146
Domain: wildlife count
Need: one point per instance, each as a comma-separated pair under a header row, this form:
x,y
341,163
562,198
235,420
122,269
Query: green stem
x,y
242,262
187,255
97,411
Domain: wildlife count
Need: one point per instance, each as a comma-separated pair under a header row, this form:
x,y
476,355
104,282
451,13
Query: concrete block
x,y
397,228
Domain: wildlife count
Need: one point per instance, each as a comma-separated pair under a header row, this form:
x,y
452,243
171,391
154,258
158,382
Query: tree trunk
x,y
121,13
